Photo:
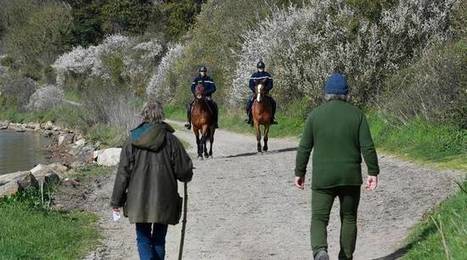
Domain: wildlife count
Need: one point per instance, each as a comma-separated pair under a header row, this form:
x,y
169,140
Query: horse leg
x,y
258,137
198,143
205,140
266,134
211,140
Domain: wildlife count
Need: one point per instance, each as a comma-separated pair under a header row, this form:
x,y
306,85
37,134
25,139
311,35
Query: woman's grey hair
x,y
329,97
153,112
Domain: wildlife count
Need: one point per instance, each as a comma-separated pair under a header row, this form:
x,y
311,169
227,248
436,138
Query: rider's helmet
x,y
203,69
260,64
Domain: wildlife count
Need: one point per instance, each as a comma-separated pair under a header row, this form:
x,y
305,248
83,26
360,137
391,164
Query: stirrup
x,y
188,126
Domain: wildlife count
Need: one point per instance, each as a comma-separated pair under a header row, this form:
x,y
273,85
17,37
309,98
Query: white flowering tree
x,y
117,56
160,85
301,47
46,97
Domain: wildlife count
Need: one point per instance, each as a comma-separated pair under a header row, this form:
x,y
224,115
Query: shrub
x,y
126,61
38,35
433,88
302,46
45,98
17,91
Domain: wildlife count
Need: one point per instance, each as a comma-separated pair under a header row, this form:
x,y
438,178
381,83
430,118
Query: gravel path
x,y
243,205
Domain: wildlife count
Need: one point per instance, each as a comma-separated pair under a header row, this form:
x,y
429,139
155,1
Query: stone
x,y
8,189
79,143
28,182
48,134
57,168
20,130
4,125
109,157
65,139
49,125
6,178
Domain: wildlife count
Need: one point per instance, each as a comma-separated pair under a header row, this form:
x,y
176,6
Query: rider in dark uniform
x,y
260,75
209,89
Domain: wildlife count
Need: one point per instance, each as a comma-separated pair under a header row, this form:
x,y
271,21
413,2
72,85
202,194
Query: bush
x,y
38,35
434,88
16,91
303,46
45,98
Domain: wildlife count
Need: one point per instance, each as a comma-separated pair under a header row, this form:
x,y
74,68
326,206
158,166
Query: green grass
x,y
443,145
31,231
442,234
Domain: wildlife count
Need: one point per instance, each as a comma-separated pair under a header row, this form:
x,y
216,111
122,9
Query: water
x,y
21,151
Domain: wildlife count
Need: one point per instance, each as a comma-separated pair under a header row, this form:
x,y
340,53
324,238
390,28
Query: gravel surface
x,y
243,205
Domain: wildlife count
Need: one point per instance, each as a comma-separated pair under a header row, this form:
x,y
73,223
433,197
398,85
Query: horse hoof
x,y
200,158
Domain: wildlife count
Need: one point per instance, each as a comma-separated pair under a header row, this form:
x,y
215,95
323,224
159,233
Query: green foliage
x,y
419,139
179,16
441,235
107,135
30,230
87,22
123,16
433,88
37,35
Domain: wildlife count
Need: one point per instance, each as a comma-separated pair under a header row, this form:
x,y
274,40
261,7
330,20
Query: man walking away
x,y
151,162
338,134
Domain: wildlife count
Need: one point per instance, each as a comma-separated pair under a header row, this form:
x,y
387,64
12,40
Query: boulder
x,y
57,168
9,189
48,133
12,177
28,182
109,157
65,139
4,125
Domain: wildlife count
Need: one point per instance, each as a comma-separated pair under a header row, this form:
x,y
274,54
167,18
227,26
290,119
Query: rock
x,y
96,154
9,189
57,168
48,178
77,164
79,143
28,182
65,139
48,126
109,157
48,133
4,125
55,129
71,182
20,130
5,178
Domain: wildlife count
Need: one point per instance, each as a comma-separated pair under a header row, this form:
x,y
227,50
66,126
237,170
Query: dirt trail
x,y
243,205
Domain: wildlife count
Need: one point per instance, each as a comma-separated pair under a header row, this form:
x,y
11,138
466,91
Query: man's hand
x,y
371,182
300,182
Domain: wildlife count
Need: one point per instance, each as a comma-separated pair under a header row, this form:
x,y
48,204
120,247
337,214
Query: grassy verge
x,y
441,235
31,230
442,145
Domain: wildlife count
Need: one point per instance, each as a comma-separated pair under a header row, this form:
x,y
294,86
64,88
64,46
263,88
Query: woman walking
x,y
151,163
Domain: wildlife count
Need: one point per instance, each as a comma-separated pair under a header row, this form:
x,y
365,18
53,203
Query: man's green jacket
x,y
338,134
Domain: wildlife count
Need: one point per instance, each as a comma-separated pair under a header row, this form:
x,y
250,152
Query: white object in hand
x,y
115,215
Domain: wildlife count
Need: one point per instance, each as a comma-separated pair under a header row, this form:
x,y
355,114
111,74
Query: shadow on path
x,y
284,150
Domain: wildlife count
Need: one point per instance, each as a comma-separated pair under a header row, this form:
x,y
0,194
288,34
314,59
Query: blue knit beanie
x,y
336,84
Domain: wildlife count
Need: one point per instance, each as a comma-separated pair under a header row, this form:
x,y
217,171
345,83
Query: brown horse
x,y
203,123
262,114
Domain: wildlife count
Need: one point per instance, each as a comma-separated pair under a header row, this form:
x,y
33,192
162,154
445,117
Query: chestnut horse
x,y
262,114
202,121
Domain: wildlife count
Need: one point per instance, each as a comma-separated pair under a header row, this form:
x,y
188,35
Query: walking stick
x,y
185,208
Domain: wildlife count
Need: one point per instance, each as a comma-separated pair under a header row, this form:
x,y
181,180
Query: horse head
x,y
260,89
199,91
